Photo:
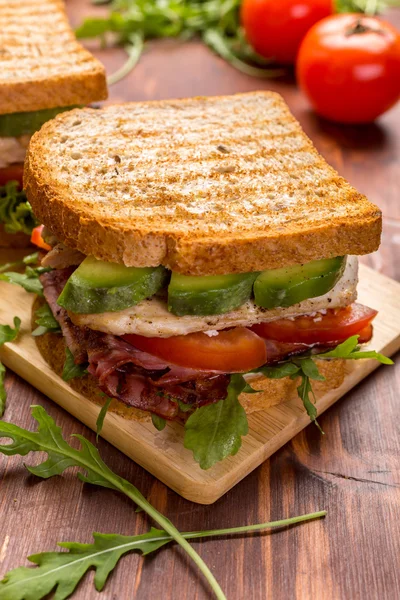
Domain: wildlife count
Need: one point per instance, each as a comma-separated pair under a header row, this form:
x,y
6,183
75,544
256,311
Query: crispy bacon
x,y
142,380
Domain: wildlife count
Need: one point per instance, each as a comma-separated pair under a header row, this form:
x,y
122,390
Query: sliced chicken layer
x,y
151,318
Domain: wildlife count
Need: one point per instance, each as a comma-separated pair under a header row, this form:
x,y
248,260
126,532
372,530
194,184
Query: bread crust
x,y
47,68
146,184
274,391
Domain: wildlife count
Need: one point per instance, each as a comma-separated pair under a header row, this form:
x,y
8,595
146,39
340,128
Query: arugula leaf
x,y
158,422
304,391
350,350
15,211
101,417
7,334
310,369
28,280
218,23
46,321
71,370
66,569
306,368
214,432
60,456
279,371
27,260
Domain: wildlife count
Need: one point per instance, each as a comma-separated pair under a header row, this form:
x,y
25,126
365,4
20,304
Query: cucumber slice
x,y
26,123
290,285
97,286
208,295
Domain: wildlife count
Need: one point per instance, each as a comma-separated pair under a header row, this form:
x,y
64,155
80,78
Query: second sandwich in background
x,y
43,71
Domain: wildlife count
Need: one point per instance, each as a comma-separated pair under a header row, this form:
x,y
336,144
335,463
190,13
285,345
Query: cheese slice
x,y
152,319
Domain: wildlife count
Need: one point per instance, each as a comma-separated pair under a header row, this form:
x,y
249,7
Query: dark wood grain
x,y
353,471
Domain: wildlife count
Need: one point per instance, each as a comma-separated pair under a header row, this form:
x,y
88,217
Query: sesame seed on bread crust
x,y
42,65
203,186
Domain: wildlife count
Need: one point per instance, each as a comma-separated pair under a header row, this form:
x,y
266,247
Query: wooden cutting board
x,y
162,453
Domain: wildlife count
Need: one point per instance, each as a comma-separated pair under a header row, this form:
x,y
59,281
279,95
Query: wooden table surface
x,y
353,471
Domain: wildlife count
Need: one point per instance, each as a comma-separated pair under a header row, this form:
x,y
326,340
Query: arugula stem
x,y
27,260
134,51
178,537
122,485
258,527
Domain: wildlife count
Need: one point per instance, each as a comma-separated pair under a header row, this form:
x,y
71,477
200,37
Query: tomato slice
x,y
12,173
231,351
334,326
36,238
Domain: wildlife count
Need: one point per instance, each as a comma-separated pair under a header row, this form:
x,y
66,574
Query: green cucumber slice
x,y
208,295
97,286
26,123
290,285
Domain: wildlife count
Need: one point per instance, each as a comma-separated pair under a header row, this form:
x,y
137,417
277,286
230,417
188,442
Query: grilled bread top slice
x,y
203,186
41,63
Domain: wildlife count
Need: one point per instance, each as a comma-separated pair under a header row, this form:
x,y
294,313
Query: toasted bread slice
x,y
274,391
41,63
203,186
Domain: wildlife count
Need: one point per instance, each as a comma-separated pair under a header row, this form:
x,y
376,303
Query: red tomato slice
x,y
12,173
231,351
334,326
36,238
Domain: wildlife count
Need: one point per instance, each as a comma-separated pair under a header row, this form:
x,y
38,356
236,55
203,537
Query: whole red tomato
x,y
275,28
349,67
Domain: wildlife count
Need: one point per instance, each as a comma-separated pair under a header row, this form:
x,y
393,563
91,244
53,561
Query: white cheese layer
x,y
152,319
13,150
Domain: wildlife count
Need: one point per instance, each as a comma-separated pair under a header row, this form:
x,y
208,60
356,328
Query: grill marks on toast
x,y
204,185
41,63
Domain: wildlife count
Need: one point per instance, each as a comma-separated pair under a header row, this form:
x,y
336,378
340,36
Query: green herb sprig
x,y
215,431
29,280
60,456
46,321
64,570
133,22
72,370
15,211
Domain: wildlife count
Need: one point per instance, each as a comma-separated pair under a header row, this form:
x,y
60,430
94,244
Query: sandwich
x,y
43,71
203,261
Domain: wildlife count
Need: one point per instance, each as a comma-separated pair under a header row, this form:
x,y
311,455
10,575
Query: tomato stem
x,y
359,28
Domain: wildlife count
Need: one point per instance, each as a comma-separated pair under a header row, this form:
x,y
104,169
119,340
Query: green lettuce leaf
x,y
215,431
71,370
46,321
15,211
158,422
102,416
